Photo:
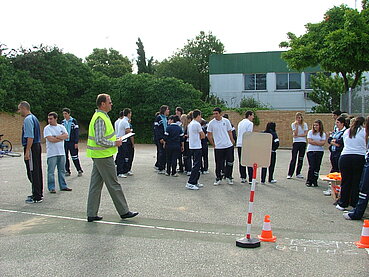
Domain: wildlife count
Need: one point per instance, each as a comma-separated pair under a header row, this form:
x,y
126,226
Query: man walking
x,y
245,125
31,138
160,125
71,143
101,146
220,136
55,135
195,134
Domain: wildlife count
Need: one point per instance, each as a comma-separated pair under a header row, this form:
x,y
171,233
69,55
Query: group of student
x,y
183,138
348,145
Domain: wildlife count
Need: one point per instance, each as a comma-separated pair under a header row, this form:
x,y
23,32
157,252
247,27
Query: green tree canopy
x,y
143,65
109,62
339,44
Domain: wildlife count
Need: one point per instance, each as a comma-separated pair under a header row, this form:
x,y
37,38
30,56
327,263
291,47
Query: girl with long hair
x,y
270,128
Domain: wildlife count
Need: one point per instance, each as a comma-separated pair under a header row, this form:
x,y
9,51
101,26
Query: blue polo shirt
x,y
31,129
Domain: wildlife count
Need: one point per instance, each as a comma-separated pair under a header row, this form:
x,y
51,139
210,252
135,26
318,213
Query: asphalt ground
x,y
178,232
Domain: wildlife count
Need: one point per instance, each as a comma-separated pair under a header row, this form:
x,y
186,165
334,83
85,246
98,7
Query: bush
x,y
252,103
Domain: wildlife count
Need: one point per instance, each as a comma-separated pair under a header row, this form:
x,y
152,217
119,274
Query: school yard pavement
x,y
178,232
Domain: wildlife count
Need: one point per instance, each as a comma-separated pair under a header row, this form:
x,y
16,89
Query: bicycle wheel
x,y
6,145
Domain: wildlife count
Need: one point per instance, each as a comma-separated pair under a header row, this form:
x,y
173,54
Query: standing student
x,y
101,146
362,204
160,125
244,126
351,163
195,134
173,137
55,135
299,132
270,128
316,139
220,136
31,138
71,143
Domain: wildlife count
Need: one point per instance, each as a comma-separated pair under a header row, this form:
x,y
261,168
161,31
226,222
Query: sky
x,y
164,26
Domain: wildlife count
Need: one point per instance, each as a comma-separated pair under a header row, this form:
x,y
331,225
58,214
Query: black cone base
x,y
248,243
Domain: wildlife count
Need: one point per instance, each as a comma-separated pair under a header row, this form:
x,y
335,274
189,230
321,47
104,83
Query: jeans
x,y
195,171
315,160
298,149
59,162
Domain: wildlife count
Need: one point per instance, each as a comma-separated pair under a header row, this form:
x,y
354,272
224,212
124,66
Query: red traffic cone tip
x,y
267,218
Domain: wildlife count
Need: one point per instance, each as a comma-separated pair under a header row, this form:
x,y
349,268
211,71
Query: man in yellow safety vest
x,y
101,146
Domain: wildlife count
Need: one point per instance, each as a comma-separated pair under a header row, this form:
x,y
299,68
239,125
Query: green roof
x,y
255,62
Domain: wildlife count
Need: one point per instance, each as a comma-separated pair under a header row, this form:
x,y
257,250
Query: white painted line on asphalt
x,y
124,224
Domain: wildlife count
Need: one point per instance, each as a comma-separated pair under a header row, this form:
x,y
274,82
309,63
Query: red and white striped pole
x,y
249,242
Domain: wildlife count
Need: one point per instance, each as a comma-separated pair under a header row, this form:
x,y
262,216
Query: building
x,y
264,76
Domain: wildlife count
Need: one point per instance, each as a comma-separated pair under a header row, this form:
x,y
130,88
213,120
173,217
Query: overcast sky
x,y
78,26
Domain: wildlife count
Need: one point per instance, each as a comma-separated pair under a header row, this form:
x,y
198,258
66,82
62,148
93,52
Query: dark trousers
x,y
187,159
351,167
224,159
334,157
204,157
195,170
131,157
298,150
34,171
119,160
315,161
172,154
127,157
161,155
362,203
242,169
180,162
69,147
273,159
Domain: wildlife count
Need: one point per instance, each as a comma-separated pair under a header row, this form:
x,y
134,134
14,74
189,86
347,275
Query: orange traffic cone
x,y
266,233
364,240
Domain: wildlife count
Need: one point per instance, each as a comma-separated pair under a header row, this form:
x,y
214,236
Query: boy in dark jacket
x,y
160,125
174,144
270,128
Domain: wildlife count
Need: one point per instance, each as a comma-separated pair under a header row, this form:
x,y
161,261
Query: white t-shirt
x,y
219,130
193,131
300,131
244,126
116,126
123,125
54,148
355,145
315,137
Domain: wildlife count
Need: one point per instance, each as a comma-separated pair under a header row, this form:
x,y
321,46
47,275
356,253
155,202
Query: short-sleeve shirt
x,y
31,129
123,125
315,137
116,125
244,126
300,131
193,131
219,130
54,148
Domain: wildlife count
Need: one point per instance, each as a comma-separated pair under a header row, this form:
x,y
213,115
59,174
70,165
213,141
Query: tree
x,y
143,65
339,44
109,62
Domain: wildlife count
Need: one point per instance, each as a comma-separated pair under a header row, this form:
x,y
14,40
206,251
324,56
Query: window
x,y
255,81
288,80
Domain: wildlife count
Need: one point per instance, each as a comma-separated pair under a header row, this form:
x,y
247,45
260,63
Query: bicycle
x,y
6,148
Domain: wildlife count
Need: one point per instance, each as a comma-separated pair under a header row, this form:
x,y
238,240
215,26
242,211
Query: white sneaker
x,y
122,175
189,173
191,186
175,175
289,176
129,173
206,172
243,180
300,176
327,192
217,182
166,174
338,207
273,181
161,172
200,185
346,216
230,181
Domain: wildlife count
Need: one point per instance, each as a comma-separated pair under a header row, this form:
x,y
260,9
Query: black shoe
x,y
52,191
129,215
67,189
94,218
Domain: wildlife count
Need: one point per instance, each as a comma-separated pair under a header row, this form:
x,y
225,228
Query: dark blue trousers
x,y
195,171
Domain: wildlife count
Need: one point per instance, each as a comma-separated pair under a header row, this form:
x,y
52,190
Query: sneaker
x,y
156,168
217,182
346,216
167,174
122,175
191,186
129,173
243,180
188,173
67,173
31,201
229,181
200,185
273,181
175,175
289,176
53,191
300,176
205,172
338,207
161,172
80,173
327,192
